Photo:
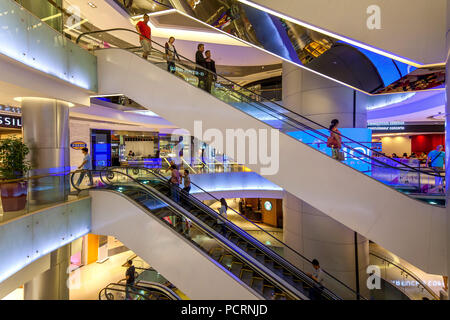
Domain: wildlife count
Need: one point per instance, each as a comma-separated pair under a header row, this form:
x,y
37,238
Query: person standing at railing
x,y
211,77
335,141
146,36
171,54
86,167
435,160
200,61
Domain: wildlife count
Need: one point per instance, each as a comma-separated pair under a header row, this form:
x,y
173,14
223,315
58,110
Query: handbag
x,y
331,141
341,156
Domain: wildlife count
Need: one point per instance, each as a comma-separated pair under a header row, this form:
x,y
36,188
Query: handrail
x,y
283,116
39,176
203,227
264,231
404,269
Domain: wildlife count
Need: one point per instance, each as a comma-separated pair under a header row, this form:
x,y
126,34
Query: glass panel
x,y
13,35
30,40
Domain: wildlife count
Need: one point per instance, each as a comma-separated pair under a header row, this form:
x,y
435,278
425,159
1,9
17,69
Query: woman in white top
x,y
171,54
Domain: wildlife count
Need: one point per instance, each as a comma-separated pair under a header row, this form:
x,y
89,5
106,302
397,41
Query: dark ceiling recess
x,y
347,64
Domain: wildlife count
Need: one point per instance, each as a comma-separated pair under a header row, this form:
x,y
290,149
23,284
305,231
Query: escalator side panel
x,y
186,266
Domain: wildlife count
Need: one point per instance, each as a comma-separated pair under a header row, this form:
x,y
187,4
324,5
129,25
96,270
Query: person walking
x,y
211,77
200,61
145,36
335,141
130,278
436,160
171,55
175,181
86,167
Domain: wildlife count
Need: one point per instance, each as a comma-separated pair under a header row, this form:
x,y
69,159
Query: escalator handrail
x,y
272,110
405,270
231,247
105,289
261,245
149,287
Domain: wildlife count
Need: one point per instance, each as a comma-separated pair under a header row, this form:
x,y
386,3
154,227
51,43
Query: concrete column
x,y
46,132
321,99
317,236
51,284
306,229
447,141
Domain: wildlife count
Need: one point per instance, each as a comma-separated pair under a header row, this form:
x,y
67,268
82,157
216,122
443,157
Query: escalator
x,y
299,156
246,260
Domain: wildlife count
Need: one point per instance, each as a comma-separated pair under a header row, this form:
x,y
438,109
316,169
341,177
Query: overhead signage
x,y
8,121
78,145
400,126
387,126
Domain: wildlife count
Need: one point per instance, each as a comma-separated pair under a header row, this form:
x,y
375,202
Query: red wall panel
x,y
426,142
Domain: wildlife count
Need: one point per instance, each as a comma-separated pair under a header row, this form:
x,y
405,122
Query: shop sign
x,y
78,145
8,121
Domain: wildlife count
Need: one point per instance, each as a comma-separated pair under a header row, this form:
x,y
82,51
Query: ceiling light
x,y
92,5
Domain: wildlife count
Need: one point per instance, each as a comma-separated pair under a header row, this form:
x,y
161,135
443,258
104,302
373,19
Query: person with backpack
x,y
335,141
200,69
436,160
171,55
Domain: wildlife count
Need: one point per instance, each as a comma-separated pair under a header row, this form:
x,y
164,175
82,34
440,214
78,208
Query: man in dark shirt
x,y
200,62
129,275
211,66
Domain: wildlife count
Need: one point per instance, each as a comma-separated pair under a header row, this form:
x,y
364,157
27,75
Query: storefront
x,y
10,121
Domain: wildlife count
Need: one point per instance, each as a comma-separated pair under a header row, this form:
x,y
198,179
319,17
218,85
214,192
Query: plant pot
x,y
14,195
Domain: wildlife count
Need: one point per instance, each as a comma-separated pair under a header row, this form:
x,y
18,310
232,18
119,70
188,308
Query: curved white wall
x,y
179,261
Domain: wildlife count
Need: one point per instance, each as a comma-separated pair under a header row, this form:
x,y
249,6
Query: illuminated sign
x,y
387,126
268,205
78,145
8,121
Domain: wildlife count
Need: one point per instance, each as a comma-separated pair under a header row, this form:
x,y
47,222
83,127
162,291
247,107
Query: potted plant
x,y
13,166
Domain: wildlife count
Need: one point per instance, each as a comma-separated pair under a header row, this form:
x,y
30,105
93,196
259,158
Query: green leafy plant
x,y
13,163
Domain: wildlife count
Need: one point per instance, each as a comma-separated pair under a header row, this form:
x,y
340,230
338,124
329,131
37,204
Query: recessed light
x,y
92,5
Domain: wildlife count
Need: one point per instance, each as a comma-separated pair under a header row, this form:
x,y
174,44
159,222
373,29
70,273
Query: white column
x,y
306,229
321,99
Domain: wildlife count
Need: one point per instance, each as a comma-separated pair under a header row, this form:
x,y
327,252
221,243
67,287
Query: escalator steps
x,y
257,284
234,239
226,260
246,276
268,264
236,268
279,296
268,291
242,245
216,253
